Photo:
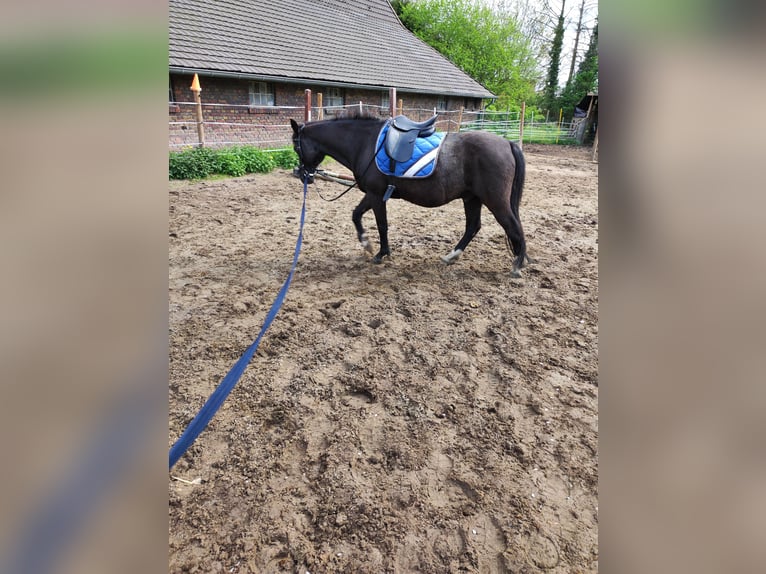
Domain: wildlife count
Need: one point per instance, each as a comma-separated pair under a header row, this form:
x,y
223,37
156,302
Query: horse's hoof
x,y
515,273
379,257
365,243
452,256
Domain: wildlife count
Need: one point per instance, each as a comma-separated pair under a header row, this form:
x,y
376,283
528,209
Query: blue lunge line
x,y
227,384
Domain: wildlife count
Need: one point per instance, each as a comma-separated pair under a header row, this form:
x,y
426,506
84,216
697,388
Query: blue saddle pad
x,y
421,164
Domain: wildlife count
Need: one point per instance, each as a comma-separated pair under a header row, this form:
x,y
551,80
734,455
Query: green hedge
x,y
197,163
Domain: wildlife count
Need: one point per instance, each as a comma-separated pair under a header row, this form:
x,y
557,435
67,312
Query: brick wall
x,y
229,118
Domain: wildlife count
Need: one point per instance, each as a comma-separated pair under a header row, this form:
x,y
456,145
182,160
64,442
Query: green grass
x,y
533,133
547,134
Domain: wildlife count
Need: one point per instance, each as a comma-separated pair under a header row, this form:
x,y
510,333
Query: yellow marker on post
x,y
195,87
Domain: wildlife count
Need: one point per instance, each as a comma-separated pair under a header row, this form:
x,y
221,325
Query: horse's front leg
x,y
381,219
364,206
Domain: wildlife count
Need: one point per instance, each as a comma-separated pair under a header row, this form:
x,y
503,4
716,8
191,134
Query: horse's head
x,y
309,153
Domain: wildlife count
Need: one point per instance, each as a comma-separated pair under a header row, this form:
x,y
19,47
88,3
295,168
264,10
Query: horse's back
x,y
485,142
483,151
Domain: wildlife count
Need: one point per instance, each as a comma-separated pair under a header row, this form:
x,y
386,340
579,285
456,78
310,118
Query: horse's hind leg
x,y
472,205
364,206
515,236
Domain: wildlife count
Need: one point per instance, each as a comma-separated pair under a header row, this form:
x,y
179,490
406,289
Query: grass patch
x,y
549,133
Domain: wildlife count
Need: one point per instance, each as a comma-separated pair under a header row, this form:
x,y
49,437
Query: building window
x,y
261,94
385,101
333,97
441,103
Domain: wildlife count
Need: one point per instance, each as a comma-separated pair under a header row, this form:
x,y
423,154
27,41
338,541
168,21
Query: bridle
x,y
306,174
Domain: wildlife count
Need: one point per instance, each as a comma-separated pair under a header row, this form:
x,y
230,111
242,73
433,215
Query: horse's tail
x,y
518,178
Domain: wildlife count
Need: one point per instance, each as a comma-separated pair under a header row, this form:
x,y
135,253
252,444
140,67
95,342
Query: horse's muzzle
x,y
304,174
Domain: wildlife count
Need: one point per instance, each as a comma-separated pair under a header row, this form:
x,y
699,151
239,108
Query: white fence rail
x,y
269,127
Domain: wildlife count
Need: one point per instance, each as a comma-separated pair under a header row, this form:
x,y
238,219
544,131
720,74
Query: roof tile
x,y
350,42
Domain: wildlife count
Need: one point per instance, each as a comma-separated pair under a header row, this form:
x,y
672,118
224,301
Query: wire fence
x,y
509,126
269,127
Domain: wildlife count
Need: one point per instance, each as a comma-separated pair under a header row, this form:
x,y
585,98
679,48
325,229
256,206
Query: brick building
x,y
256,58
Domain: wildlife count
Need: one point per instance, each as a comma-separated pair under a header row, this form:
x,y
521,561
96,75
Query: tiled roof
x,y
358,42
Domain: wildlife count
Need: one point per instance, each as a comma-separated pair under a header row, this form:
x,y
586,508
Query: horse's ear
x,y
295,125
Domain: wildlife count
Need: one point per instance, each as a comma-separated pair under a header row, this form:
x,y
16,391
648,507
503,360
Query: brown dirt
x,y
403,417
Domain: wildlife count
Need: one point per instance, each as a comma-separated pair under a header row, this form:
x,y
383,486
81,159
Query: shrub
x,y
286,158
230,162
194,163
256,160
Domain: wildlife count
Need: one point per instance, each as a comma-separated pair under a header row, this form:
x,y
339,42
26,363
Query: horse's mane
x,y
356,114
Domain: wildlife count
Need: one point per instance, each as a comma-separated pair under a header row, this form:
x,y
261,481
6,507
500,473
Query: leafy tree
x,y
488,46
586,79
549,100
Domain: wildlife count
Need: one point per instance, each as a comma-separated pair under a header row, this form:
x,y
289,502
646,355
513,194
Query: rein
x,y
342,193
214,402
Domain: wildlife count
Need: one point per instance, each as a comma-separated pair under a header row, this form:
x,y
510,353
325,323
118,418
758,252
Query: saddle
x,y
400,139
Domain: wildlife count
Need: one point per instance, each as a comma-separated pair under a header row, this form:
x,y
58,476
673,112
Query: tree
x,y
489,46
578,31
586,79
544,26
549,99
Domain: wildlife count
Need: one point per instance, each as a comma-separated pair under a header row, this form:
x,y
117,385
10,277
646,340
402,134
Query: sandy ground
x,y
403,417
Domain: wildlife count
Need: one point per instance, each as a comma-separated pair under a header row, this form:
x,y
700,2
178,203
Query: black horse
x,y
478,167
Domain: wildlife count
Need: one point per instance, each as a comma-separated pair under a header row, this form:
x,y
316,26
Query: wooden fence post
x,y
320,110
521,125
586,123
460,118
307,110
392,101
195,87
401,106
594,159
